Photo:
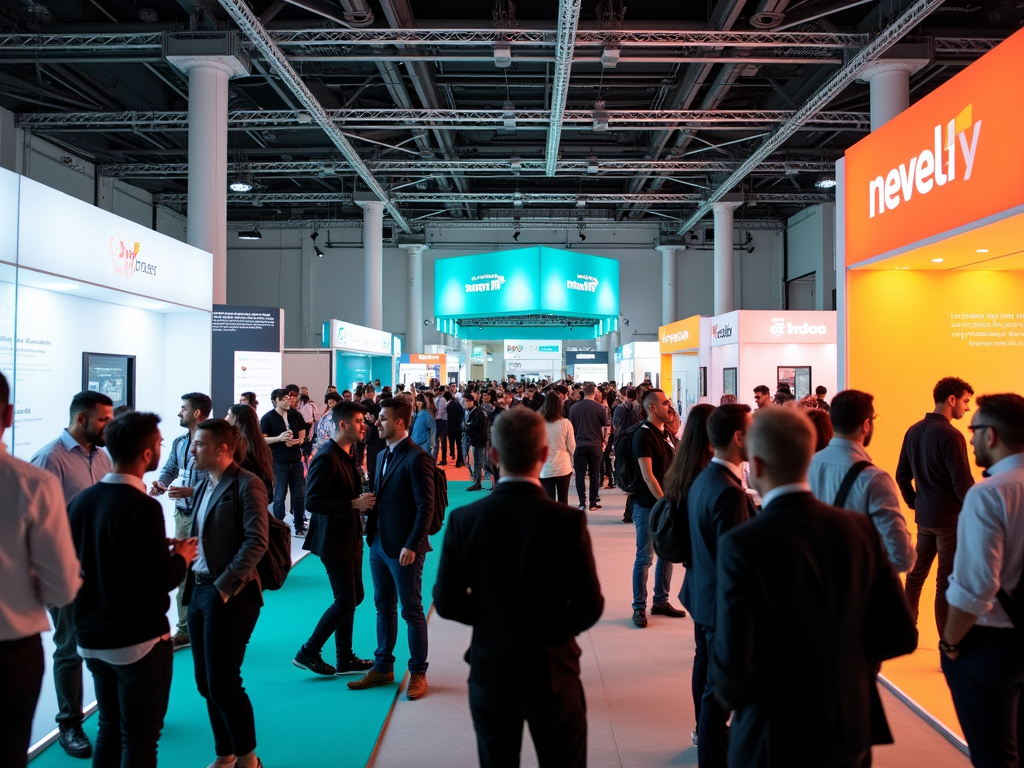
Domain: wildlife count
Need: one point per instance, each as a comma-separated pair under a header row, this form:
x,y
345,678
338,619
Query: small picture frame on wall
x,y
112,375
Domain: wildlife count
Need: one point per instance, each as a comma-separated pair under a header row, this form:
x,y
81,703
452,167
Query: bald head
x,y
780,444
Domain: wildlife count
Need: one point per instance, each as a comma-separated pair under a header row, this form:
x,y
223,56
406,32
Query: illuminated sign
x,y
780,327
357,338
952,159
756,326
680,336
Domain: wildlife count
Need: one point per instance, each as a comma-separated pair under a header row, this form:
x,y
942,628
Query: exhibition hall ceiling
x,y
472,113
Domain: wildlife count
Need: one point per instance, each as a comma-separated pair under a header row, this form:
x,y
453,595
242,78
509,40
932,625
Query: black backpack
x,y
440,500
276,562
627,472
670,531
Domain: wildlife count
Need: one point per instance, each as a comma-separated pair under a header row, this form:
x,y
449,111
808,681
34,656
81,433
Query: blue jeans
x,y
290,475
394,584
644,558
477,467
987,684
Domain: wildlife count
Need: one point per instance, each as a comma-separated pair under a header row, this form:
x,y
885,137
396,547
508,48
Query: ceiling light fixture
x,y
937,261
982,250
825,182
242,182
316,248
250,234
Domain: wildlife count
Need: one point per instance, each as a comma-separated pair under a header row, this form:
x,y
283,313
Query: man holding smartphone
x,y
284,430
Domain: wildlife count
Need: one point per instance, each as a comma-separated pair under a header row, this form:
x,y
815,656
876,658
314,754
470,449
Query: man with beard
x,y
179,479
842,475
76,459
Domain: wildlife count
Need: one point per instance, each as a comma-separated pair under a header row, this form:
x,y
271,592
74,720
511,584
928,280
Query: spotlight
x,y
515,235
316,248
582,237
242,182
250,234
825,182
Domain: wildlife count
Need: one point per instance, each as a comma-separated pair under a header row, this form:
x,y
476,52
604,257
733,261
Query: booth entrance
x,y
360,354
679,344
933,282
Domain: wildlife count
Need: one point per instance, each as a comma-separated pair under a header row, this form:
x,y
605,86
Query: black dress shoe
x,y
313,662
640,617
594,507
353,664
74,741
667,610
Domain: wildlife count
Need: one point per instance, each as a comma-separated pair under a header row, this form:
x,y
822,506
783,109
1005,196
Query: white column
x,y
668,283
373,263
208,164
724,257
414,339
890,89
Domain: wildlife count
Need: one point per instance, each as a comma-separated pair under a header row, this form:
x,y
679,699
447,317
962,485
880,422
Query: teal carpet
x,y
302,719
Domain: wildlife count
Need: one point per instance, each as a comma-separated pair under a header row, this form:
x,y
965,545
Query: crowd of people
x,y
793,543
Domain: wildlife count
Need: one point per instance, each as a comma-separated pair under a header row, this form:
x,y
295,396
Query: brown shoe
x,y
417,686
372,679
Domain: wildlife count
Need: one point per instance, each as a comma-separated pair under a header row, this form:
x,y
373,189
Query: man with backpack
x,y
715,504
652,450
626,414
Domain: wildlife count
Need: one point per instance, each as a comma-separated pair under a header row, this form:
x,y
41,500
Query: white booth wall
x,y
685,381
638,358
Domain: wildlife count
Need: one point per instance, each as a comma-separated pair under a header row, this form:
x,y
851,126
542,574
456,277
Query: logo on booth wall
x,y
780,327
584,283
721,331
935,166
673,338
514,348
125,258
483,283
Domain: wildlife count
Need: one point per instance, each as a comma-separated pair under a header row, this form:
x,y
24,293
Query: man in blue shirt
x,y
77,460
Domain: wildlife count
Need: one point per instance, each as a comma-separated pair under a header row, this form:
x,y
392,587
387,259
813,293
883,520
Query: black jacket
x,y
517,566
477,427
456,413
236,531
127,569
934,457
715,504
332,483
807,606
405,500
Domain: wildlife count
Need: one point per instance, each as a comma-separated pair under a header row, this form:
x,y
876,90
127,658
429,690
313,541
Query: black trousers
x,y
699,675
346,577
220,633
712,731
557,488
442,439
289,475
455,446
587,459
987,684
558,725
67,668
132,700
21,670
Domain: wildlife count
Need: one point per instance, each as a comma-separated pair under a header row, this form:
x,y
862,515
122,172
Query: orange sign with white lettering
x,y
427,359
953,158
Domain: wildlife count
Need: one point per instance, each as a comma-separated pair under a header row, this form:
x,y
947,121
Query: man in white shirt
x,y
982,650
38,567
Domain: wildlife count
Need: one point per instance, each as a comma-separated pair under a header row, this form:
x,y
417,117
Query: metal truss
x,y
498,198
906,21
251,26
329,168
974,46
568,20
524,223
455,119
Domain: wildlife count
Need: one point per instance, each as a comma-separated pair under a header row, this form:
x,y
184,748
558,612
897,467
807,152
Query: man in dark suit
x,y
336,504
805,593
222,588
518,567
396,530
715,504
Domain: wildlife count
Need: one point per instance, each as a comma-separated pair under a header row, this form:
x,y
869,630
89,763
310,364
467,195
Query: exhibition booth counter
x,y
932,283
360,354
679,344
747,348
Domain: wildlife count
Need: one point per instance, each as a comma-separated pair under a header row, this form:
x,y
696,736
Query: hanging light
x,y
242,182
825,182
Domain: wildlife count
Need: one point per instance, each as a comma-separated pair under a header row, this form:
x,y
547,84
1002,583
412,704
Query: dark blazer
x,y
405,500
715,504
127,569
808,605
236,531
332,483
517,566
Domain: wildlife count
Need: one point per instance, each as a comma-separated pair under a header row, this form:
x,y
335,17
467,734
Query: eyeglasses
x,y
973,427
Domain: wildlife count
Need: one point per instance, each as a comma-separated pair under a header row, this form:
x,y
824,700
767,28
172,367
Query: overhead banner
x,y
350,337
526,281
952,159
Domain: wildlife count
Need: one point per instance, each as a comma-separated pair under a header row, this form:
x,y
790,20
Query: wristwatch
x,y
947,648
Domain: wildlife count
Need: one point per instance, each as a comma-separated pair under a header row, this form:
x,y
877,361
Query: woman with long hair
x,y
557,470
424,424
257,458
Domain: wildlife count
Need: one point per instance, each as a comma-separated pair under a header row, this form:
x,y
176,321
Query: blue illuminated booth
x,y
543,293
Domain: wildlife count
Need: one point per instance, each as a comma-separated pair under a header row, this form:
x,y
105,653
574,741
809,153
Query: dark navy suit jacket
x,y
405,500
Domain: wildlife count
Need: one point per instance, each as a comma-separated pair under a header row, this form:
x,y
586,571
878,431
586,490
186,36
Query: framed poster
x,y
113,375
729,381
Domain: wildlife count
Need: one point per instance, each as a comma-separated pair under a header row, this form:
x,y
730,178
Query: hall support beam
x,y
668,283
373,263
414,339
724,257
